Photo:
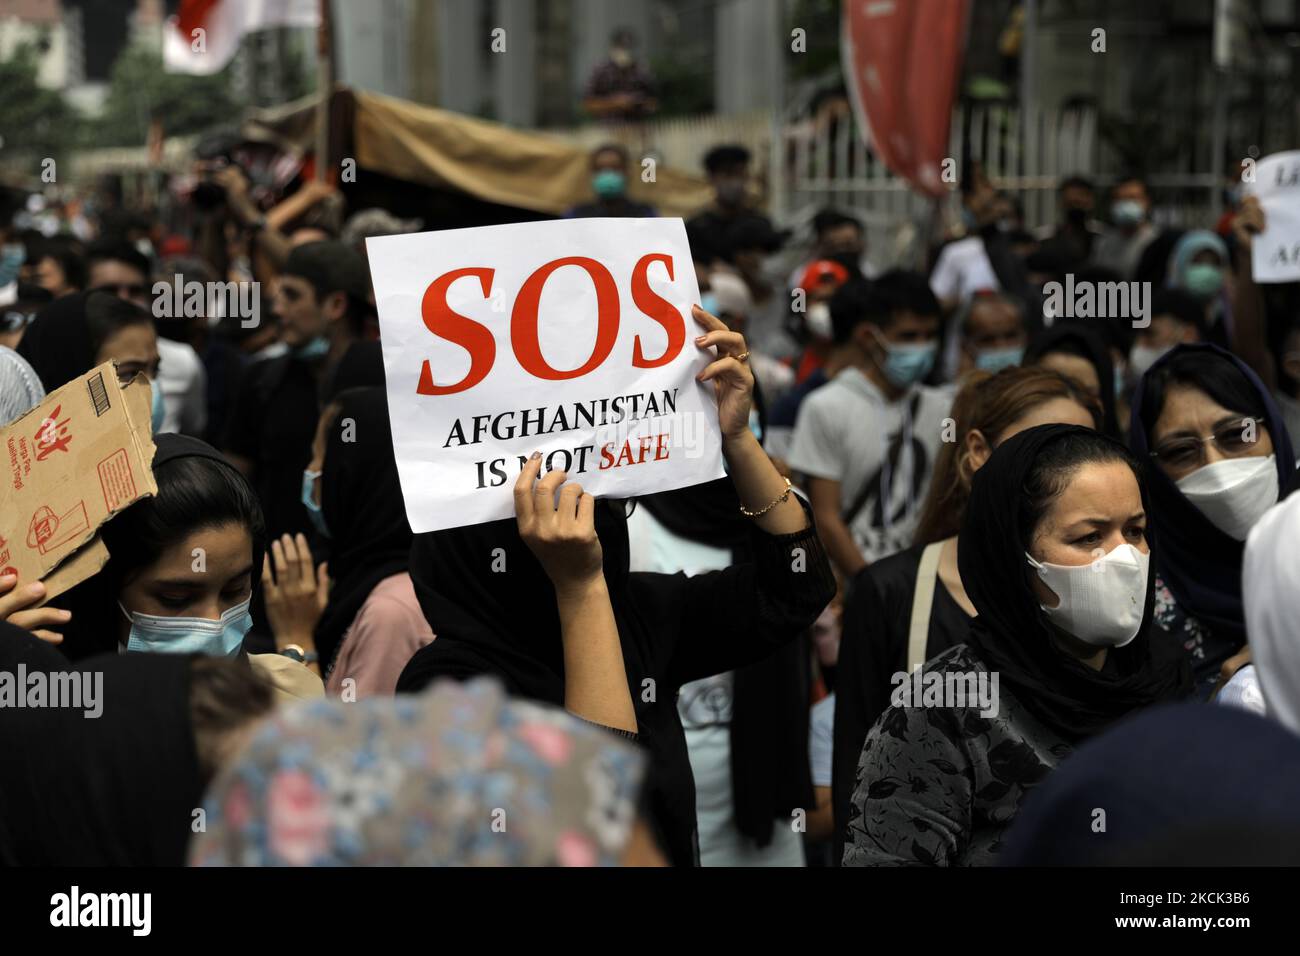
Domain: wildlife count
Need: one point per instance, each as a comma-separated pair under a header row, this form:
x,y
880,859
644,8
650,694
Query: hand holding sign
x,y
566,337
560,531
1275,252
731,375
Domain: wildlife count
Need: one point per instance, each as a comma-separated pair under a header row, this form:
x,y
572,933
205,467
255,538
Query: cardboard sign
x,y
71,463
1275,252
573,338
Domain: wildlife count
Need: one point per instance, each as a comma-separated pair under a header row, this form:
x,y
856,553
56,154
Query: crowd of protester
x,y
1089,516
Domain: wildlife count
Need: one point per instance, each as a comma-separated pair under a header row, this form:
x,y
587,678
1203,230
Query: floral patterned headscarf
x,y
461,775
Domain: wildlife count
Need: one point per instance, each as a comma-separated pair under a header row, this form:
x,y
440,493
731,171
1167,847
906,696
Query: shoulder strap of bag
x,y
927,575
892,453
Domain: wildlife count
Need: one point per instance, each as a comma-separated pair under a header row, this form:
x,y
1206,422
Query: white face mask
x,y
1142,357
819,320
1233,493
1101,602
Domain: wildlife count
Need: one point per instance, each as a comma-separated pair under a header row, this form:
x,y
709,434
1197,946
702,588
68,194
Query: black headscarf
x,y
1012,634
1166,778
116,790
58,343
770,774
93,602
506,623
1095,349
361,500
1200,563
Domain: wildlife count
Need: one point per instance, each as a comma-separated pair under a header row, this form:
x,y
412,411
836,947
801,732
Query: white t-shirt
x,y
704,707
821,740
962,269
879,451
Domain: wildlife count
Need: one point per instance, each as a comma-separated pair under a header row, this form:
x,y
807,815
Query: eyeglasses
x,y
1231,440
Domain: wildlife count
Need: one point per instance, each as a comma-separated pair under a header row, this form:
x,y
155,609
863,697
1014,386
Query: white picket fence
x,y
816,167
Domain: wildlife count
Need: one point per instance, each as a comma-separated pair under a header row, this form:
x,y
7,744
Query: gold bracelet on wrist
x,y
775,501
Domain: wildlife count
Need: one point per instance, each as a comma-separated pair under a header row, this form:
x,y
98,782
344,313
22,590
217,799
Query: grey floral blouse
x,y
938,785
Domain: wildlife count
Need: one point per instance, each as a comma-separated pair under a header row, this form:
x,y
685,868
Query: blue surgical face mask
x,y
609,184
158,410
907,364
155,634
317,348
709,303
309,479
1202,280
12,256
1127,212
995,360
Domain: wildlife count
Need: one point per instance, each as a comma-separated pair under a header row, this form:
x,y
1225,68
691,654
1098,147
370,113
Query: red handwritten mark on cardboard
x,y
52,436
47,531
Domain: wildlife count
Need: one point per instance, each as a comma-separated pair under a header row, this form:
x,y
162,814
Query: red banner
x,y
901,61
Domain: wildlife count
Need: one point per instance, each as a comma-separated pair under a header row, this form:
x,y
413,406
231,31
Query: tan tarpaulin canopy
x,y
487,160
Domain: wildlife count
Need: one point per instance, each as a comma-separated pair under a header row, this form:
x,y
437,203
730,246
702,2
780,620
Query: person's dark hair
x,y
1056,464
1115,330
722,158
225,695
828,219
1182,306
880,301
333,266
1075,181
1207,372
107,314
618,149
1127,178
706,244
68,258
193,493
110,251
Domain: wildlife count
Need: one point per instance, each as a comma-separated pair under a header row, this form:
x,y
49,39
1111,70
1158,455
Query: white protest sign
x,y
573,338
1275,252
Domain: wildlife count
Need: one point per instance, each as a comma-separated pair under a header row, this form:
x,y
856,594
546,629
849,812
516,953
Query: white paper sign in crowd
x,y
573,338
1275,253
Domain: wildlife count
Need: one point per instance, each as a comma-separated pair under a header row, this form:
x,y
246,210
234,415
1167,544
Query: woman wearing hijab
x,y
119,789
461,775
1216,456
1082,354
1053,555
180,574
371,623
495,609
1198,264
1175,786
75,333
1270,582
911,607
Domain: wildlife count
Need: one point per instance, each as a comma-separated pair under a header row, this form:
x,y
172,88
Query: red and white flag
x,y
901,62
205,35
